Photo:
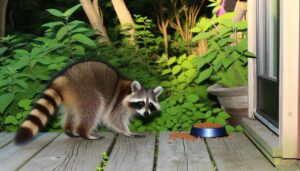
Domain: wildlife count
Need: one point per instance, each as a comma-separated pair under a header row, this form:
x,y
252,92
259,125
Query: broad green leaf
x,y
171,61
212,4
195,30
192,98
249,54
181,86
204,75
79,50
11,128
53,24
22,84
61,32
220,120
216,110
227,62
173,111
187,65
207,114
188,105
181,78
198,115
137,123
201,36
19,115
166,71
54,67
181,58
70,11
159,121
203,109
76,22
11,120
239,128
2,50
79,30
25,103
200,62
186,125
84,40
229,129
242,25
5,100
55,12
165,84
211,119
190,73
5,82
200,105
176,69
223,115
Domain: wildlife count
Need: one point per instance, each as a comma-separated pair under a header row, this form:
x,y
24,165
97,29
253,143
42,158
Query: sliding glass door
x,y
268,63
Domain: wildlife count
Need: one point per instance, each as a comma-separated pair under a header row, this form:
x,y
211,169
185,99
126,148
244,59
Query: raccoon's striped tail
x,y
39,116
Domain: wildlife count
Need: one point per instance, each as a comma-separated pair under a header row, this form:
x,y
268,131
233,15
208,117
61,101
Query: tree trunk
x,y
3,8
95,17
124,16
240,12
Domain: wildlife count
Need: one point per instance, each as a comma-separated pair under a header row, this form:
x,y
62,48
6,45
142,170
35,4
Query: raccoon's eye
x,y
152,107
137,105
141,104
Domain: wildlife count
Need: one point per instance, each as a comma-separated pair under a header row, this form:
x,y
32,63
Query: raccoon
x,y
93,93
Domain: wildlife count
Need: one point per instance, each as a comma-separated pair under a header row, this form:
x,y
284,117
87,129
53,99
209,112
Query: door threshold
x,y
264,139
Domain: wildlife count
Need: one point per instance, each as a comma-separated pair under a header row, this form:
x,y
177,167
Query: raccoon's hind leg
x,y
71,123
88,121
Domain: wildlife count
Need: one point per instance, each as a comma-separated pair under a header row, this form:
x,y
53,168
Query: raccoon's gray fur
x,y
93,93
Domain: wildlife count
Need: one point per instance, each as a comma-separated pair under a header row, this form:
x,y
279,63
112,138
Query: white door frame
x,y
288,73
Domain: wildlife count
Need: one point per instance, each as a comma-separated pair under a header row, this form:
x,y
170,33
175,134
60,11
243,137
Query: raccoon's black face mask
x,y
144,101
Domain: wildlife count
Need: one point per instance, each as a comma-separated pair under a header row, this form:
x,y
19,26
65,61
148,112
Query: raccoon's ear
x,y
157,91
135,86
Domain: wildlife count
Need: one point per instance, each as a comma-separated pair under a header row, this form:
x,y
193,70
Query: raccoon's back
x,y
92,75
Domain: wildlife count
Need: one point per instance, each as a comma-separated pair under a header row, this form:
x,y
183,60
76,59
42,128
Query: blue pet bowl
x,y
208,132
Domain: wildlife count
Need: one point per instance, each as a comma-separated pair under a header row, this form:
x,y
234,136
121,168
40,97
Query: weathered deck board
x,y
66,153
6,138
237,153
182,155
13,156
134,154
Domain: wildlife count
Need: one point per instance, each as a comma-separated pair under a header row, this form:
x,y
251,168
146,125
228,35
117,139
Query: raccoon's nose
x,y
146,114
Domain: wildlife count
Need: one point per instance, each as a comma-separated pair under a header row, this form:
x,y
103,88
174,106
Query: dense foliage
x,y
27,63
225,60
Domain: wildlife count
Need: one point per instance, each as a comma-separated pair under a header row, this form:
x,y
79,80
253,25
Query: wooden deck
x,y
56,151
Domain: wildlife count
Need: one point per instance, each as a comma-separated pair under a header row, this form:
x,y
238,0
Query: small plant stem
x,y
69,38
12,83
172,75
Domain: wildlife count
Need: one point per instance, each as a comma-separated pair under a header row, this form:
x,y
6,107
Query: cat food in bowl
x,y
208,130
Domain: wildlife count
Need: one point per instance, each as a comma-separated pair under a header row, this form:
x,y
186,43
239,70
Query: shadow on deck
x,y
55,151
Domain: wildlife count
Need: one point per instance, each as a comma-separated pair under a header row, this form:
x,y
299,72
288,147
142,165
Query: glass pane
x,y
268,38
272,37
261,37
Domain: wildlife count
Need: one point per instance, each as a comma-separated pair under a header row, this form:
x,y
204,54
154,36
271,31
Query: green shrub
x,y
27,66
226,58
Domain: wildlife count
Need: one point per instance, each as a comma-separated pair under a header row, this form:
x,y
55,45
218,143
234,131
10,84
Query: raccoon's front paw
x,y
95,136
71,134
92,137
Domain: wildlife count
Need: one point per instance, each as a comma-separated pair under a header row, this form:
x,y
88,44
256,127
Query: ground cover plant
x,y
28,62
